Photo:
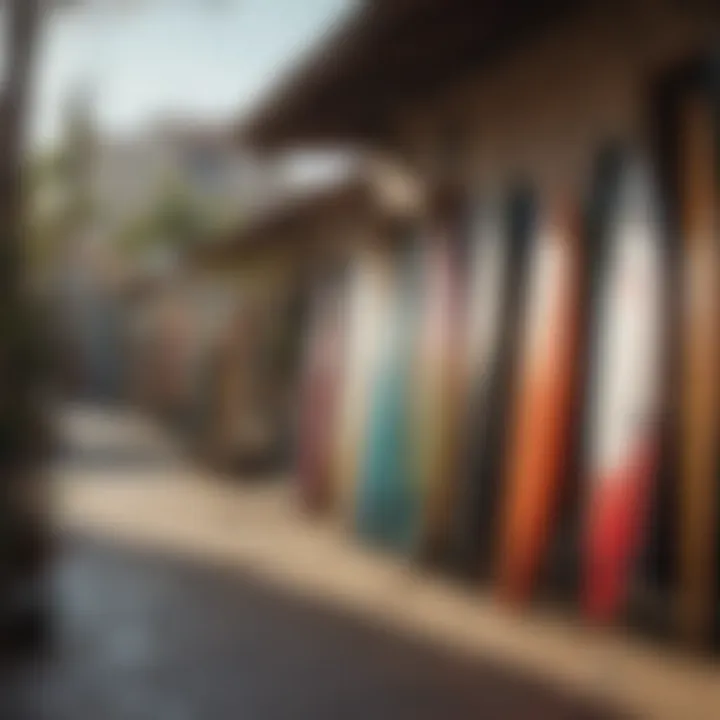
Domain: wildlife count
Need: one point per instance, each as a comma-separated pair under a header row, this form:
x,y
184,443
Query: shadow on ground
x,y
143,635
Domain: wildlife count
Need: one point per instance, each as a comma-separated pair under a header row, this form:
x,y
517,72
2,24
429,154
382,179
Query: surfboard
x,y
540,432
699,381
505,236
487,260
624,398
367,306
440,383
389,501
562,571
319,399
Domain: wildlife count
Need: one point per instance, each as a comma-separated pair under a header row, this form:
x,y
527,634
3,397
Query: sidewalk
x,y
257,528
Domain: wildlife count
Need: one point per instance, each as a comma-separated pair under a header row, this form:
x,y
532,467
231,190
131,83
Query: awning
x,y
374,188
389,53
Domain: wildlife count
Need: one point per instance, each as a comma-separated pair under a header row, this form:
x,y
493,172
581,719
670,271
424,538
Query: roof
x,y
388,52
372,187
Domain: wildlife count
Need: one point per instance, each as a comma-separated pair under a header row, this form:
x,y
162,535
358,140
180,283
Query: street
x,y
145,632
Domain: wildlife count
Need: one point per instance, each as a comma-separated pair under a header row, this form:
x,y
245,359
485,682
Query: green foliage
x,y
59,185
175,220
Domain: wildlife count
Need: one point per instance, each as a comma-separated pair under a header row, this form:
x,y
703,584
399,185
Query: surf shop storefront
x,y
292,265
549,379
249,279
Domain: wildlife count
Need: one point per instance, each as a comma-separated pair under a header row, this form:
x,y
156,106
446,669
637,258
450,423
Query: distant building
x,y
130,174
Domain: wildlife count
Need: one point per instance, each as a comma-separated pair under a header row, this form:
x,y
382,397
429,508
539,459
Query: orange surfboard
x,y
539,439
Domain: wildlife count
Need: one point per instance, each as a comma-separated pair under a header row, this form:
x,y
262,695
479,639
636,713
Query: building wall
x,y
540,109
261,298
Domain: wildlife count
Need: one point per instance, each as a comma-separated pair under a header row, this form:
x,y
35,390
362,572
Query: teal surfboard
x,y
389,500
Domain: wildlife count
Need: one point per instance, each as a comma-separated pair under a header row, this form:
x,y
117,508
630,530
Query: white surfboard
x,y
625,396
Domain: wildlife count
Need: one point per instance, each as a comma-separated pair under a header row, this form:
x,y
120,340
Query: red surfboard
x,y
319,401
624,397
540,430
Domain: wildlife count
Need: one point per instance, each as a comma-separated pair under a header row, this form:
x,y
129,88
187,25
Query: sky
x,y
145,60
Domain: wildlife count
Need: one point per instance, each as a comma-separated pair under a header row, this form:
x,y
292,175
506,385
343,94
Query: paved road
x,y
144,635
